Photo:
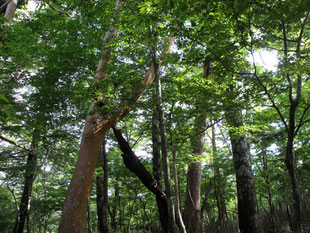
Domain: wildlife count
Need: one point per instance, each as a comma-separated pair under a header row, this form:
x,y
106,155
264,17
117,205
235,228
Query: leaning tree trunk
x,y
132,162
102,192
30,175
247,203
96,127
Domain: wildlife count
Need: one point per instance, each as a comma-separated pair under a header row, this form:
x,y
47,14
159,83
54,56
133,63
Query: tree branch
x,y
59,11
301,120
267,92
127,3
15,144
4,5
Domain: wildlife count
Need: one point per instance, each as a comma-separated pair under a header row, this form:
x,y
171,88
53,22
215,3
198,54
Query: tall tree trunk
x,y
178,214
30,175
290,165
217,183
192,209
269,192
162,209
102,192
114,206
247,203
205,199
88,220
164,149
96,126
99,194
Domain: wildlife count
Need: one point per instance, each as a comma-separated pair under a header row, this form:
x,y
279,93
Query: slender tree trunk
x,y
99,194
102,192
247,203
164,149
179,218
115,206
205,199
289,162
162,209
269,192
30,175
88,220
217,183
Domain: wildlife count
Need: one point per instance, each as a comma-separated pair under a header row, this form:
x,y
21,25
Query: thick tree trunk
x,y
247,203
102,192
10,12
162,209
192,209
164,150
30,175
192,199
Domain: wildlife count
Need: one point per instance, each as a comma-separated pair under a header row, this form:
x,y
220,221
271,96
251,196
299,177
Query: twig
x,y
127,3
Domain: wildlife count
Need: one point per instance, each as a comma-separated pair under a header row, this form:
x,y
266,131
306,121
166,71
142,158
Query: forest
x,y
168,116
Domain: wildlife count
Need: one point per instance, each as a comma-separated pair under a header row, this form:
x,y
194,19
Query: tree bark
x,y
247,203
132,162
88,220
220,199
290,165
30,175
162,208
114,210
102,192
269,191
178,214
10,12
192,209
96,126
164,150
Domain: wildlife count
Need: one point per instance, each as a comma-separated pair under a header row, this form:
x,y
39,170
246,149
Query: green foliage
x,y
47,66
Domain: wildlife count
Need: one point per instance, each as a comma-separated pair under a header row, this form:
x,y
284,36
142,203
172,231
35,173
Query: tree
x,y
95,129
